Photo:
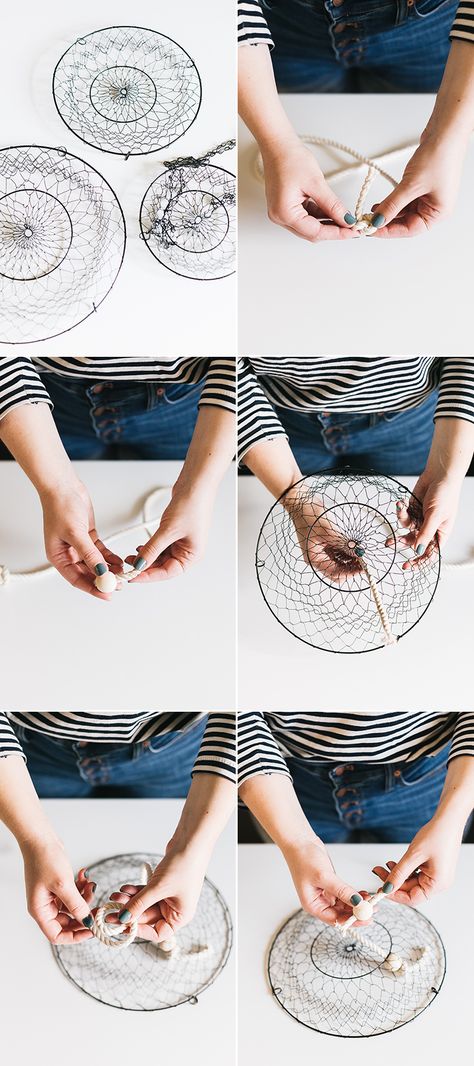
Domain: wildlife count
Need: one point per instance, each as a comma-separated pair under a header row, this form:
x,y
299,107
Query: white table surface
x,y
150,311
363,296
267,897
49,1020
168,645
430,669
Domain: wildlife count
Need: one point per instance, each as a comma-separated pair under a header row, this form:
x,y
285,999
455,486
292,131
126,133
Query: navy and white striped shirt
x,y
266,739
345,383
253,27
216,753
23,378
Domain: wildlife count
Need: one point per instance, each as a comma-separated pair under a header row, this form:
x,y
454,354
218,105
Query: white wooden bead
x,y
363,910
106,582
393,963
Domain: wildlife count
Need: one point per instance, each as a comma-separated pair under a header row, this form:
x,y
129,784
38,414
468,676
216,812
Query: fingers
x,y
70,896
394,204
330,204
87,548
137,906
400,873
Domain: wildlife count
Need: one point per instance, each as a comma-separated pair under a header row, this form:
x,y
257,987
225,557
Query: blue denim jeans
x,y
159,768
359,45
124,420
369,801
392,442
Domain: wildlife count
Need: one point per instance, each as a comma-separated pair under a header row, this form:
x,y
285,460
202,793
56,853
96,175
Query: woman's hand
x,y
170,898
321,892
180,539
429,864
429,187
72,543
298,195
57,902
439,497
323,547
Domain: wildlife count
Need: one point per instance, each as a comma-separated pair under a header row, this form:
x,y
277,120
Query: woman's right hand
x,y
322,546
57,902
321,892
72,543
298,195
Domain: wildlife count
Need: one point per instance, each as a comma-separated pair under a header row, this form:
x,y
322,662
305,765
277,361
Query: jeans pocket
x,y
423,8
163,741
175,394
419,772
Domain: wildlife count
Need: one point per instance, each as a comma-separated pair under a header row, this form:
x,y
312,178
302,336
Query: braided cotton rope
x,y
394,963
363,220
389,637
147,521
112,937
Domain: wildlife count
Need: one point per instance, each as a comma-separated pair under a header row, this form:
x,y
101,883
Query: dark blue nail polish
x,y
420,549
88,921
86,875
100,569
355,899
378,221
387,887
124,917
359,552
350,219
139,563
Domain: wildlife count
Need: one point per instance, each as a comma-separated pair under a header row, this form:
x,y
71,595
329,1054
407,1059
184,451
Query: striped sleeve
x,y
257,419
456,389
258,750
9,743
463,736
220,385
463,25
19,384
217,754
252,26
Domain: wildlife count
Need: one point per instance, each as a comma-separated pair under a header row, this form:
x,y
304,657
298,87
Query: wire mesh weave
x,y
140,977
127,90
187,219
335,985
62,242
311,577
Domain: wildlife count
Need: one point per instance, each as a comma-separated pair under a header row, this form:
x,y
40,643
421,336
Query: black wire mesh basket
x,y
127,90
340,986
187,220
62,242
140,977
330,561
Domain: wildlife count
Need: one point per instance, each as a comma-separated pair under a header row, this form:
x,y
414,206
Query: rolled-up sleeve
x,y
252,26
20,384
258,750
257,418
456,389
9,743
219,388
217,754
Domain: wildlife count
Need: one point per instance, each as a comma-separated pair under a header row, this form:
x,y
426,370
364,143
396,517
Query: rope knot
x,y
364,225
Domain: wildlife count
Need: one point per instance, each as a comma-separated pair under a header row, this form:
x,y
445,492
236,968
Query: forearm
x,y
451,449
208,807
210,453
273,462
30,434
20,808
259,104
453,112
457,797
273,801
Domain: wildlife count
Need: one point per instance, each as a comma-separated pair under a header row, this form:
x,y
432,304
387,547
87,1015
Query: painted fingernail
x,y
420,549
350,219
124,917
139,563
378,221
387,887
86,875
398,506
359,552
88,921
100,569
355,899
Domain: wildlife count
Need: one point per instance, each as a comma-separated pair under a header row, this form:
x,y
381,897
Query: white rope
x,y
395,964
120,937
363,220
389,636
147,521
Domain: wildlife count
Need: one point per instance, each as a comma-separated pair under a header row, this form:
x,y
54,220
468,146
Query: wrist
x,y
31,841
53,486
279,143
292,847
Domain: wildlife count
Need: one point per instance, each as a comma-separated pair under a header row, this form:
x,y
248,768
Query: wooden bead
x,y
393,963
363,910
106,582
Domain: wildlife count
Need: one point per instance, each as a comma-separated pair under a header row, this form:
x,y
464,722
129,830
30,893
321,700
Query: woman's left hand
x,y
429,864
439,497
429,187
180,540
170,898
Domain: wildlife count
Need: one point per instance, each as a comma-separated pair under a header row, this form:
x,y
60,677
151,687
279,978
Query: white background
x,y
46,1019
427,670
167,645
267,897
149,311
363,296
